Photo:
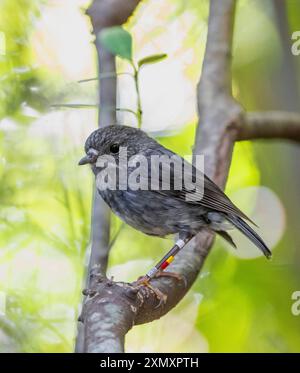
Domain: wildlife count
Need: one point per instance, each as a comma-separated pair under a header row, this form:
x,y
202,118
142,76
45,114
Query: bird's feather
x,y
227,238
211,196
243,227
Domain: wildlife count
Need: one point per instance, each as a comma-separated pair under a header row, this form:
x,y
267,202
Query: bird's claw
x,y
145,281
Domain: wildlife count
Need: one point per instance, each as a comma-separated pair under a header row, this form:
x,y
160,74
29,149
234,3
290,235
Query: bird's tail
x,y
242,226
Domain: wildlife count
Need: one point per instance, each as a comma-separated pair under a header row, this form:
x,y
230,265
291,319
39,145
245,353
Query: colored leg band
x,y
152,272
180,243
168,258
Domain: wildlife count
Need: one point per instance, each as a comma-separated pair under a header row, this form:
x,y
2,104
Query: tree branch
x,y
218,111
113,308
103,14
270,125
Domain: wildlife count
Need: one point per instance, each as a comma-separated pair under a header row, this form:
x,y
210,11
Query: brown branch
x,y
218,112
103,14
270,125
113,308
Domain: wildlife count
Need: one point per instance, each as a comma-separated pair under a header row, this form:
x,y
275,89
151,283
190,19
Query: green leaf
x,y
117,41
152,59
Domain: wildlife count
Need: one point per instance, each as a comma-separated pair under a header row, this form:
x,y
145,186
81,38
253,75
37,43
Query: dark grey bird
x,y
163,211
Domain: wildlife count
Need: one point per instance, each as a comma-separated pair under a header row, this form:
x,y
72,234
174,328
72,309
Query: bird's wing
x,y
209,196
214,198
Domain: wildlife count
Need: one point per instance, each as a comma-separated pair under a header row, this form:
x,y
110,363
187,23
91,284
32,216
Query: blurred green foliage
x,y
17,72
243,305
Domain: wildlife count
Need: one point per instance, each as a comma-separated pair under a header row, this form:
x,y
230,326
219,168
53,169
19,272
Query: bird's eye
x,y
114,148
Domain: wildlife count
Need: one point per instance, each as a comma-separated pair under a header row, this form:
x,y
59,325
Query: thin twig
x,y
138,96
105,76
94,106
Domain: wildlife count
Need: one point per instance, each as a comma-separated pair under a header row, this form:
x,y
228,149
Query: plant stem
x,y
139,103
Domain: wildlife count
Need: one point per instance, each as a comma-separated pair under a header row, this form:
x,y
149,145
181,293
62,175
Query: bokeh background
x,y
240,302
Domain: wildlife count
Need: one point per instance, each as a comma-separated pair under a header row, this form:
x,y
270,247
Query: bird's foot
x,y
177,276
145,281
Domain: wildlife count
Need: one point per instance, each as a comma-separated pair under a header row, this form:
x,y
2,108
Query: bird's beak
x,y
91,157
85,160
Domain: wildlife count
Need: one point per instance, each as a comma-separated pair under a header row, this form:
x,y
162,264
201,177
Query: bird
x,y
165,209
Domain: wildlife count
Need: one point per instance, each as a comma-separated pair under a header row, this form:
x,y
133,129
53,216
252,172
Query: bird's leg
x,y
158,270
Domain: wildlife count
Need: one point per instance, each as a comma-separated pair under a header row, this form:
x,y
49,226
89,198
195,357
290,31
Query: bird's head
x,y
106,143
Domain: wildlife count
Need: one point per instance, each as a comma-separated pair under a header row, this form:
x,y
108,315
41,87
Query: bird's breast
x,y
140,211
